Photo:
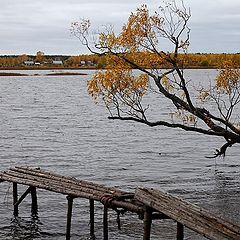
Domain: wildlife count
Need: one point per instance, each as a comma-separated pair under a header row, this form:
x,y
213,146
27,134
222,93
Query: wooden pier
x,y
148,204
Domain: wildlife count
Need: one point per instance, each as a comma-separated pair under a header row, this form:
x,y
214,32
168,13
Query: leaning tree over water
x,y
138,47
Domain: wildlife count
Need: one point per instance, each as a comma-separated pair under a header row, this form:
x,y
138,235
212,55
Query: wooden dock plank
x,y
188,214
54,179
68,186
48,187
57,183
71,180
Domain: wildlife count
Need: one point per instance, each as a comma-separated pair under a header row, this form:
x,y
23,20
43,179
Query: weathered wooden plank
x,y
189,215
57,183
57,189
51,175
71,183
63,189
67,189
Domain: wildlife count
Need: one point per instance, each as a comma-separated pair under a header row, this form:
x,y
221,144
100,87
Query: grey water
x,y
51,122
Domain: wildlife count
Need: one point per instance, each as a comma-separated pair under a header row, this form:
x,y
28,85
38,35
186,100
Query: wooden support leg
x,y
105,222
69,217
34,201
15,199
92,235
23,196
147,220
180,231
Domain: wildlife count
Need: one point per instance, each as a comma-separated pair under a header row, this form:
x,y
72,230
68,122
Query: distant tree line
x,y
190,60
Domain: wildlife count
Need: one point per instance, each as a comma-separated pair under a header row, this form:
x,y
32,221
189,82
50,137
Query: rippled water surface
x,y
51,122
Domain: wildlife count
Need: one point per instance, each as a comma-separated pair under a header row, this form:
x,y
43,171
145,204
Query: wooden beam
x,y
22,197
15,199
156,216
69,217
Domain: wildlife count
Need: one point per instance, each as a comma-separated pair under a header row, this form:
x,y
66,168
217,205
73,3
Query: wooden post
x,y
92,235
147,221
105,222
180,231
15,199
69,217
34,201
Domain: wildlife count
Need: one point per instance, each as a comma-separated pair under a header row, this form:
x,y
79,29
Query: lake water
x,y
52,123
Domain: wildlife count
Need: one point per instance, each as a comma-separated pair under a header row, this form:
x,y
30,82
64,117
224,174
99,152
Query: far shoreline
x,y
87,68
67,68
10,74
46,68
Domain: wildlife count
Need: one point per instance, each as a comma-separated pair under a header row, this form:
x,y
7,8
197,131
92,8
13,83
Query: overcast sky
x,y
27,26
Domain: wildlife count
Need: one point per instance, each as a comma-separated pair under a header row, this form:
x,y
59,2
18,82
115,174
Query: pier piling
x,y
180,231
105,222
92,234
147,221
69,217
15,199
34,201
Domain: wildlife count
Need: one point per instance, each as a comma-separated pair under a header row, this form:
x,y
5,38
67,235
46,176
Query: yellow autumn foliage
x,y
132,43
117,82
167,83
228,78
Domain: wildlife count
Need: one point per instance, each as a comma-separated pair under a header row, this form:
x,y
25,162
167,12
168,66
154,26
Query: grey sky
x,y
28,26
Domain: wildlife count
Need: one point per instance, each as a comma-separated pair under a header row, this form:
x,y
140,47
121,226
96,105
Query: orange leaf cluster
x,y
228,78
117,82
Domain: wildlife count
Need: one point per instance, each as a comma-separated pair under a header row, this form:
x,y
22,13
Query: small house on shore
x,y
28,63
57,62
87,63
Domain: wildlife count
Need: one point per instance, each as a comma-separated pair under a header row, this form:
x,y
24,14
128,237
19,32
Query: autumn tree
x,y
39,57
139,44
